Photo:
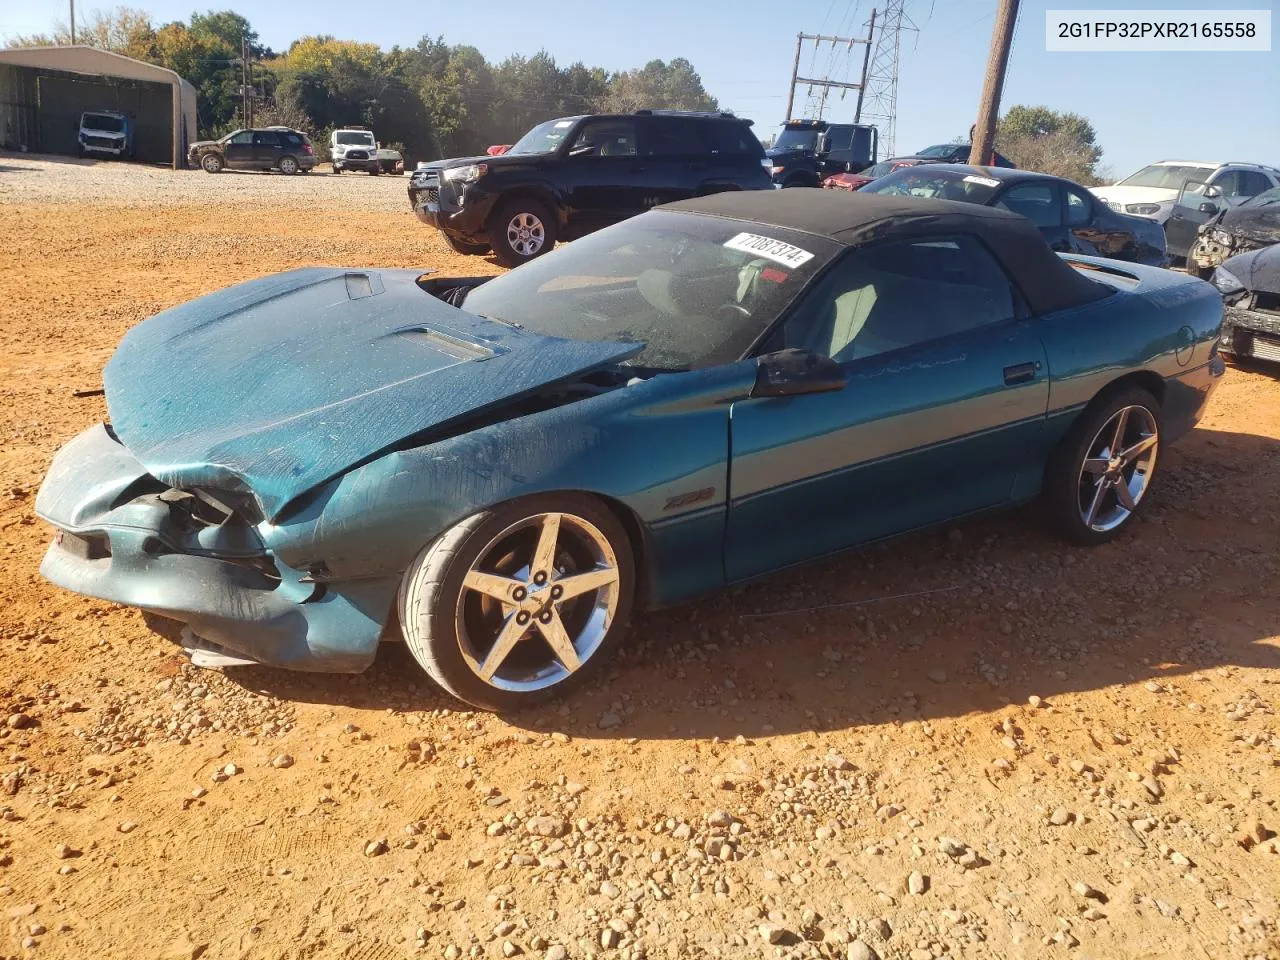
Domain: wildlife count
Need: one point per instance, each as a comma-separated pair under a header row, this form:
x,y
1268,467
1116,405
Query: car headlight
x,y
1226,281
468,174
1221,236
1143,209
776,170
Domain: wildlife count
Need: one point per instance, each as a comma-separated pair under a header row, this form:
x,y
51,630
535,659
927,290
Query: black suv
x,y
567,177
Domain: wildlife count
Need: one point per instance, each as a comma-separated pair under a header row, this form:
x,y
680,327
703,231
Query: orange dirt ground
x,y
1076,750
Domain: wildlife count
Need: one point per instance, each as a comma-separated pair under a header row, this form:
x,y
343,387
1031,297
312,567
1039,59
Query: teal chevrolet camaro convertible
x,y
504,469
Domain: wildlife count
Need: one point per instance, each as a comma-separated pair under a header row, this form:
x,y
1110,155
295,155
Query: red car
x,y
855,181
846,181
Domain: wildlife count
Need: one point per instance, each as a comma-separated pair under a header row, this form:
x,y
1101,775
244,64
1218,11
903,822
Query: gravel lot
x,y
1040,751
67,180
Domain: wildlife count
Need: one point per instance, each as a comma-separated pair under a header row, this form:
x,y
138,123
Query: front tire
x,y
211,163
1103,469
288,166
522,603
520,230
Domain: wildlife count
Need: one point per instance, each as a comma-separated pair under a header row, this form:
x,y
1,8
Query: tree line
x,y
437,99
432,100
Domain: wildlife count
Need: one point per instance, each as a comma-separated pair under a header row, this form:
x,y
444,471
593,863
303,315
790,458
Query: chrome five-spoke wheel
x,y
1118,470
1101,472
537,602
512,605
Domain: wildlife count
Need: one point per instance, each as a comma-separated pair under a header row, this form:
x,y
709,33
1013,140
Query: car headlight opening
x,y
468,174
1143,209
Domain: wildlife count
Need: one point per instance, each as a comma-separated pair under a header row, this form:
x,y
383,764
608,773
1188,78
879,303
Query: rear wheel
x,y
288,165
1103,469
519,604
211,163
520,230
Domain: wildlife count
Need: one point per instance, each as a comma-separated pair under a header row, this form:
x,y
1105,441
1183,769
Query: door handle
x,y
1020,373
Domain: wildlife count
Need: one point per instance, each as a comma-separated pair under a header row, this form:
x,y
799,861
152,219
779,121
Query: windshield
x,y
354,137
697,290
797,140
98,121
938,150
1264,198
927,180
544,138
1166,176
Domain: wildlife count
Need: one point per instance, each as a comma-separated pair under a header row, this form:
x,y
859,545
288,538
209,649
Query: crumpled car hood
x,y
274,386
1258,270
1261,224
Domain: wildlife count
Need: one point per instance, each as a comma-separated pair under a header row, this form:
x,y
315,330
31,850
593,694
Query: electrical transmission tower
x,y
881,101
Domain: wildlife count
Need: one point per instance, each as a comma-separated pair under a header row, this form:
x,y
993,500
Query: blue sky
x,y
1144,106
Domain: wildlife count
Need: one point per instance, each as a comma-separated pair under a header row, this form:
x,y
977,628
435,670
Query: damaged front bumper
x,y
1250,332
123,537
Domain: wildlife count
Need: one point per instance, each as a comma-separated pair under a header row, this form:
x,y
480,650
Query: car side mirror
x,y
824,143
1207,207
793,372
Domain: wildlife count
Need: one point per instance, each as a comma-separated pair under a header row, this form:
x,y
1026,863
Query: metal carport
x,y
43,90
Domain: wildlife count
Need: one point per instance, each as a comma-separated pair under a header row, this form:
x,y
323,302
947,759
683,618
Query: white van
x,y
354,148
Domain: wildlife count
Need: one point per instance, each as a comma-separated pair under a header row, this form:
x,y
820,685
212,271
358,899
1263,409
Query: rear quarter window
x,y
736,139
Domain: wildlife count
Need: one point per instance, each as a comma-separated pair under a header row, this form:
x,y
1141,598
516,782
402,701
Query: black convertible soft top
x,y
1047,281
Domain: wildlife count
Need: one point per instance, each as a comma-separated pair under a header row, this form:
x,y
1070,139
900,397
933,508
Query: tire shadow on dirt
x,y
942,623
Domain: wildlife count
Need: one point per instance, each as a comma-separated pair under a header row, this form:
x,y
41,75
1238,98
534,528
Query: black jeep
x,y
567,177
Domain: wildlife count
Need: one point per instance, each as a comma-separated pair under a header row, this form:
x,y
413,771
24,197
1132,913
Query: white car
x,y
1153,191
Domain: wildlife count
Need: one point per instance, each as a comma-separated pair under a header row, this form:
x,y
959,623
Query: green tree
x,y
659,86
1037,138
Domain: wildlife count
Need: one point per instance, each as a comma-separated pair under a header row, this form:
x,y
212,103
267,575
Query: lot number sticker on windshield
x,y
770,249
985,181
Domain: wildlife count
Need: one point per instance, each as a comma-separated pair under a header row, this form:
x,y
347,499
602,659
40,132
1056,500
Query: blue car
x,y
503,470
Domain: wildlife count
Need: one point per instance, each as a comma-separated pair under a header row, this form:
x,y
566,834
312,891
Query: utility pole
x,y
866,62
984,134
795,69
73,22
244,79
252,101
826,83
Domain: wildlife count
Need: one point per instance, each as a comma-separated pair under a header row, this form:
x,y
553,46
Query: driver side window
x,y
606,138
895,295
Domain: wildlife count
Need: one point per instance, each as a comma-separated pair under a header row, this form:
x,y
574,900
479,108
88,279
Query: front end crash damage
x,y
1214,246
1251,226
198,558
1250,286
178,507
1251,327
